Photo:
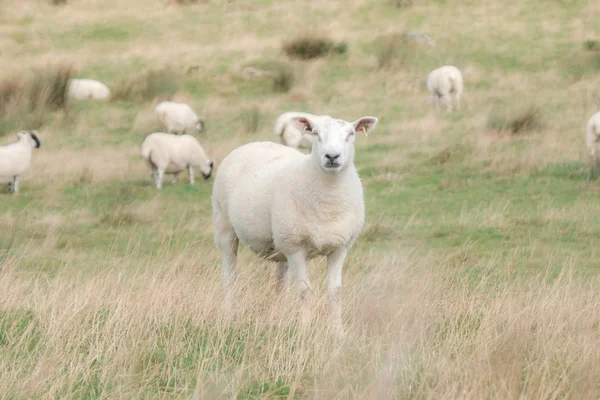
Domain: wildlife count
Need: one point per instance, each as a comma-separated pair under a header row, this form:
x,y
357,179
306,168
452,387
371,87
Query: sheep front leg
x,y
335,262
191,174
160,173
297,262
174,178
228,243
282,278
593,162
14,187
457,98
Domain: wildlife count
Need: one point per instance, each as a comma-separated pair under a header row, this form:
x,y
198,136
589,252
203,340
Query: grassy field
x,y
477,273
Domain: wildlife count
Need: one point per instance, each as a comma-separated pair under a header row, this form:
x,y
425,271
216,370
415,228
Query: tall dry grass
x,y
36,91
153,326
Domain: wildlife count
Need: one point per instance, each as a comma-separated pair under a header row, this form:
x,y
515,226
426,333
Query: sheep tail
x,y
146,152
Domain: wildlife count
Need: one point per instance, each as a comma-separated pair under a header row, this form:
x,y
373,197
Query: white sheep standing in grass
x,y
592,137
290,207
288,134
15,158
442,82
178,118
81,89
170,154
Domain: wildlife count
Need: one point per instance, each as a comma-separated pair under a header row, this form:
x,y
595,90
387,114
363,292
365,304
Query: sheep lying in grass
x,y
592,137
178,118
290,207
81,89
442,82
288,134
170,154
15,159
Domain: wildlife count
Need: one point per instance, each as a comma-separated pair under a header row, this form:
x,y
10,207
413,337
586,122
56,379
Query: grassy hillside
x,y
477,273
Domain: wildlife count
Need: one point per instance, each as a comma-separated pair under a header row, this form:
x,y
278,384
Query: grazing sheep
x,y
170,154
288,134
178,118
81,89
289,207
15,159
592,137
442,82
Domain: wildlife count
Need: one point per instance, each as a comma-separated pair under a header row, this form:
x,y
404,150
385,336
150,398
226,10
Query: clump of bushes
x,y
58,2
42,90
283,78
390,48
184,2
591,45
311,47
147,85
402,3
280,74
25,100
519,123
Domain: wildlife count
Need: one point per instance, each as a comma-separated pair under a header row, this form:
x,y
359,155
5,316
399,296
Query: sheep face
x,y
333,139
30,137
207,169
199,125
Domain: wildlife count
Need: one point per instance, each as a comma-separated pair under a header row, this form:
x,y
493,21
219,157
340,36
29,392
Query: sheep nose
x,y
332,156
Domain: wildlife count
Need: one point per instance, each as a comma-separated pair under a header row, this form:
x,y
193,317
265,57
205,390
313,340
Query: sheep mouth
x,y
331,165
206,176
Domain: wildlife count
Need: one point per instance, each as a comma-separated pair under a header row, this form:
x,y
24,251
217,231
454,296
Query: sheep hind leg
x,y
227,242
593,163
174,179
435,99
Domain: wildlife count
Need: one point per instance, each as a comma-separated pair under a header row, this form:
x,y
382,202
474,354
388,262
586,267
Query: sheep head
x,y
199,125
333,139
30,137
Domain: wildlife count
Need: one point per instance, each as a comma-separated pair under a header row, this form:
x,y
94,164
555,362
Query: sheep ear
x,y
302,124
35,139
365,124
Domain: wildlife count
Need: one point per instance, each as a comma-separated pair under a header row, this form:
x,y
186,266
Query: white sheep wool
x,y
15,158
171,154
289,207
442,83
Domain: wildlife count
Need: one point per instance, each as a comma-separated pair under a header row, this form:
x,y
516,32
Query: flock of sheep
x,y
285,205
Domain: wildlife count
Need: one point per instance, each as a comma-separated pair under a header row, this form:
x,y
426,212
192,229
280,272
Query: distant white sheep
x,y
15,159
178,118
290,207
288,134
171,154
81,89
442,82
592,137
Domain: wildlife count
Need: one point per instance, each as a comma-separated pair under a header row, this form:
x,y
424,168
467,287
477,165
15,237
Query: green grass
x,y
478,264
